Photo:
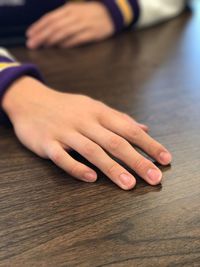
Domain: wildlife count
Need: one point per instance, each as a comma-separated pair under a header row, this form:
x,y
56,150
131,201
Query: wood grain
x,y
49,219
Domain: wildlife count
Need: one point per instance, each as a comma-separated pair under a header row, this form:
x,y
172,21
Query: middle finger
x,y
121,149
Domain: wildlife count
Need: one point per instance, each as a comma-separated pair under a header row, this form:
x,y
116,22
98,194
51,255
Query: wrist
x,y
19,94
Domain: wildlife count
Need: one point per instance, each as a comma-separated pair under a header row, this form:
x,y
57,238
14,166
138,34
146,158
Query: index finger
x,y
46,20
137,136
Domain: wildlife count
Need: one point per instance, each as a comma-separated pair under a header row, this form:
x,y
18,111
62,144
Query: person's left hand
x,y
70,25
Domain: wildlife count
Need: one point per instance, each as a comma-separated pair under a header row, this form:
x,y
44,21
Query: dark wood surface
x,y
49,219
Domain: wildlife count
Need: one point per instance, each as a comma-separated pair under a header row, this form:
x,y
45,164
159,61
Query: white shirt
x,y
155,11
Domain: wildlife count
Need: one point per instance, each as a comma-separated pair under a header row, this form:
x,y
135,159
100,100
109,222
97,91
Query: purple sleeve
x,y
118,12
9,72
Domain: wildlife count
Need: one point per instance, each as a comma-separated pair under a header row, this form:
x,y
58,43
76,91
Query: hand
x,y
71,25
51,123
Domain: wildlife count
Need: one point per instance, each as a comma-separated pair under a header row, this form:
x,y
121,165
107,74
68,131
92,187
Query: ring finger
x,y
97,156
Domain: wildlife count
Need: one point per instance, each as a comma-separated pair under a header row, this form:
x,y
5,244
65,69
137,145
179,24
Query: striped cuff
x,y
11,71
124,13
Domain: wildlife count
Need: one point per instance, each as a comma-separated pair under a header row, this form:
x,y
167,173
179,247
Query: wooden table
x,y
49,219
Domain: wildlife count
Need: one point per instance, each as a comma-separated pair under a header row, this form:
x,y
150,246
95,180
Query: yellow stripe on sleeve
x,y
126,10
6,65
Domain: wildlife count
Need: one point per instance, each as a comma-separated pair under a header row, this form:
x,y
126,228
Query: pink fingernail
x,y
154,175
90,176
127,180
30,44
28,33
143,125
165,157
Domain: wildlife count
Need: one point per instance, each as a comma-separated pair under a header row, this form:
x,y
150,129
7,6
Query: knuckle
x,y
99,102
127,117
128,129
103,112
74,170
51,40
87,98
141,164
101,106
89,149
46,18
51,18
133,131
55,155
112,169
69,7
115,143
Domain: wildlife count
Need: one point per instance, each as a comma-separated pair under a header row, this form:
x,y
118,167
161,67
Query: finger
x,y
143,127
121,149
47,19
63,160
137,136
125,116
61,31
47,26
39,39
49,36
78,39
64,35
97,156
54,33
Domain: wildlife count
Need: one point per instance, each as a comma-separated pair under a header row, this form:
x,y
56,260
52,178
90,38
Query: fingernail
x,y
145,127
154,175
165,157
30,44
28,33
127,180
142,125
90,176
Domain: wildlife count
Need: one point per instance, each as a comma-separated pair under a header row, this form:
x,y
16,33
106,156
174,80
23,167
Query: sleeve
x,y
155,11
142,13
124,13
10,70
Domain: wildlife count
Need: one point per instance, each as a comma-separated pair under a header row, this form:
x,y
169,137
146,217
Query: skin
x,y
70,25
52,123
